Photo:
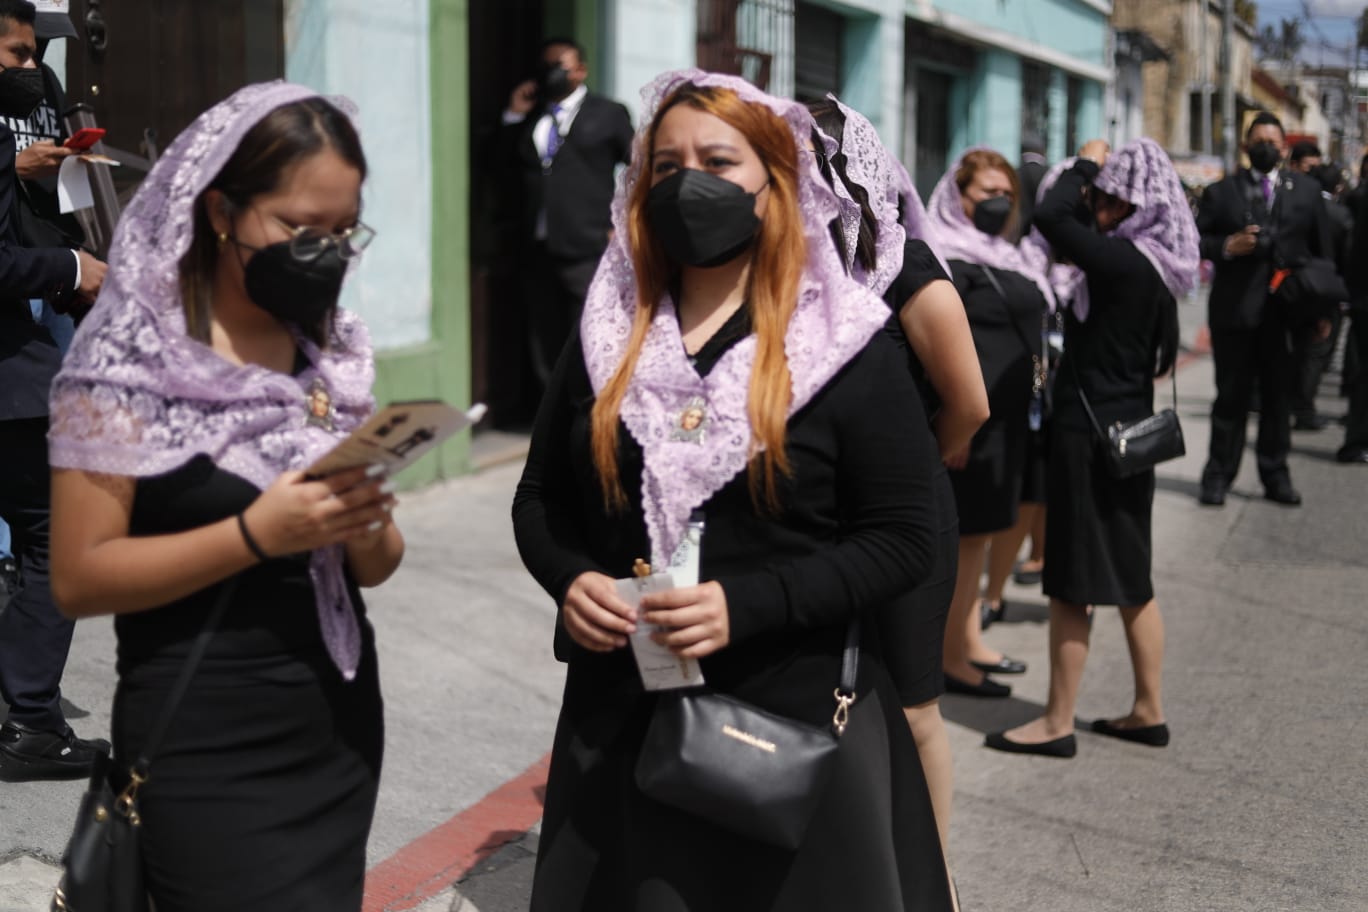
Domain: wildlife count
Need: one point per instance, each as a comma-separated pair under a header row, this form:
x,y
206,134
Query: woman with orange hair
x,y
728,371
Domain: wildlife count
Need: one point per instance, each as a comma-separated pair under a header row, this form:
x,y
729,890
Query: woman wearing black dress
x,y
214,367
973,210
928,322
1123,220
726,363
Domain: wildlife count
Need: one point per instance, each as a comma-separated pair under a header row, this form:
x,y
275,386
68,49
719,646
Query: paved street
x,y
1259,804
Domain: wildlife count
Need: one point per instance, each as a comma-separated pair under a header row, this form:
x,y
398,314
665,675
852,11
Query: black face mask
x,y
554,82
292,290
991,214
702,219
1264,156
21,91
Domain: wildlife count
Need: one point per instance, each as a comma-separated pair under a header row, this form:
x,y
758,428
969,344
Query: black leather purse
x,y
747,770
103,867
1132,447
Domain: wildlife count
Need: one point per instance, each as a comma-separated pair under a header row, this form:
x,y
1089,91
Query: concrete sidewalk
x,y
1260,803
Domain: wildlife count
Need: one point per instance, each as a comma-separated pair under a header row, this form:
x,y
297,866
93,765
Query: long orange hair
x,y
771,293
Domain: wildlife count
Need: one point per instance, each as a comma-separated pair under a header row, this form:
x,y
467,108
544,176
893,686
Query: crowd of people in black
x,y
809,407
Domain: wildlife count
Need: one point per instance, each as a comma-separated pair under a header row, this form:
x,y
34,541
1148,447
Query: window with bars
x,y
744,37
1073,102
1035,101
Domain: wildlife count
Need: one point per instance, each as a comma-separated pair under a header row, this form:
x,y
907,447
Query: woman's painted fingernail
x,y
376,470
375,526
389,487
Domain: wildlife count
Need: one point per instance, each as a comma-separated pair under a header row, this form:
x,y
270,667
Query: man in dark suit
x,y
35,740
1355,448
564,144
1031,171
1255,224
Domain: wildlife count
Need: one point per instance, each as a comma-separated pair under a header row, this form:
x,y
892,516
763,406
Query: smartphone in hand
x,y
84,138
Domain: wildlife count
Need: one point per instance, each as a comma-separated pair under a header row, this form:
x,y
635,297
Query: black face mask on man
x,y
21,91
702,219
554,82
292,290
991,214
1264,156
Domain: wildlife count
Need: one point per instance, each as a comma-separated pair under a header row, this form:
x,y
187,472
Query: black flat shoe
x,y
1064,747
988,615
1284,494
1352,454
1004,666
30,755
1213,495
1153,735
1026,577
988,688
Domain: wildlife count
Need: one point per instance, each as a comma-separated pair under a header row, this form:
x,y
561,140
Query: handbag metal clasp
x,y
127,802
841,719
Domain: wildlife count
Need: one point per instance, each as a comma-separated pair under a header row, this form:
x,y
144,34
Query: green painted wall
x,y
441,367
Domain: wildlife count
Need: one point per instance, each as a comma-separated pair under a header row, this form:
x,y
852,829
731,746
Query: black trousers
x,y
1310,357
554,289
1356,431
1240,357
34,637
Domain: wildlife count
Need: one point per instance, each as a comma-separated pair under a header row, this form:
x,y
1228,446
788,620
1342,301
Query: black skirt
x,y
263,792
1097,542
912,628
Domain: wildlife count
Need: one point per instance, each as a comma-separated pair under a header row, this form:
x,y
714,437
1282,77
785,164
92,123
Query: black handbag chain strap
x,y
139,770
1078,382
1040,361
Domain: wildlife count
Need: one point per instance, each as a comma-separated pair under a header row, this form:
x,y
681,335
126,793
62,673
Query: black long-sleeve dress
x,y
913,627
1004,313
262,794
855,528
1097,550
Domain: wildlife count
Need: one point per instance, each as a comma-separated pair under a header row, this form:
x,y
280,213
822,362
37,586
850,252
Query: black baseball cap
x,y
53,20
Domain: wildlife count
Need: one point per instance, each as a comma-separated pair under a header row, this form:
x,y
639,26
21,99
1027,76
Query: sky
x,y
1332,21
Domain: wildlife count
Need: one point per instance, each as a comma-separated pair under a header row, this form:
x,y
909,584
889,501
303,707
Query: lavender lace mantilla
x,y
960,240
138,397
834,320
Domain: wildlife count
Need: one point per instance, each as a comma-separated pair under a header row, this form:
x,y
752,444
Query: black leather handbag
x,y
747,770
1132,447
103,868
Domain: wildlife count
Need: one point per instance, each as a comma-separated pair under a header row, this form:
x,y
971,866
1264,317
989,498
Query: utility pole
x,y
1229,152
1204,66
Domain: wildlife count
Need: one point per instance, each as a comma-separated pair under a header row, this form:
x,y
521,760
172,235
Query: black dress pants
x,y
1310,357
1356,430
1240,356
34,637
555,289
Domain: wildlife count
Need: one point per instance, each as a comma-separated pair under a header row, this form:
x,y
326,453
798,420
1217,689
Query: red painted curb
x,y
446,853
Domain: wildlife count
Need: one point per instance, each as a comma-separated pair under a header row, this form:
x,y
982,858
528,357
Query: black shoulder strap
x,y
192,661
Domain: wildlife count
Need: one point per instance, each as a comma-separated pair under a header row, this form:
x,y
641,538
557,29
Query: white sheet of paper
x,y
73,185
660,669
397,436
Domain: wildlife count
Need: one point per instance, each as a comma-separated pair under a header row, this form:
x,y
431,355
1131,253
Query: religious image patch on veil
x,y
692,422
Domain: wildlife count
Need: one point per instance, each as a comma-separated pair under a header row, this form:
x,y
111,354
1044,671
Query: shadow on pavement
x,y
988,714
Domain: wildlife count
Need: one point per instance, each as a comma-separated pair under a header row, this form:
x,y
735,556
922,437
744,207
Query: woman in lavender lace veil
x,y
929,324
974,208
728,369
214,367
1122,219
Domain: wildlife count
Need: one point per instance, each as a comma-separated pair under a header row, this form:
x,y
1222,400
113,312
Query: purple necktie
x,y
553,138
1267,188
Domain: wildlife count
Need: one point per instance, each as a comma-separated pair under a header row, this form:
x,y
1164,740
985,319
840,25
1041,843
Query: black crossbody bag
x,y
745,769
1040,406
1132,447
103,867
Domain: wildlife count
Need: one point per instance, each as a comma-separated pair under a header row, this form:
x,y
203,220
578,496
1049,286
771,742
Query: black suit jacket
x,y
1296,230
576,189
29,357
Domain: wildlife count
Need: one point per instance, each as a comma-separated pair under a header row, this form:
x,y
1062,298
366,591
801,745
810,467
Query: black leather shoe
x,y
1064,747
989,615
1213,494
1004,666
1310,423
29,755
987,688
1153,735
1283,493
1027,577
1352,454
